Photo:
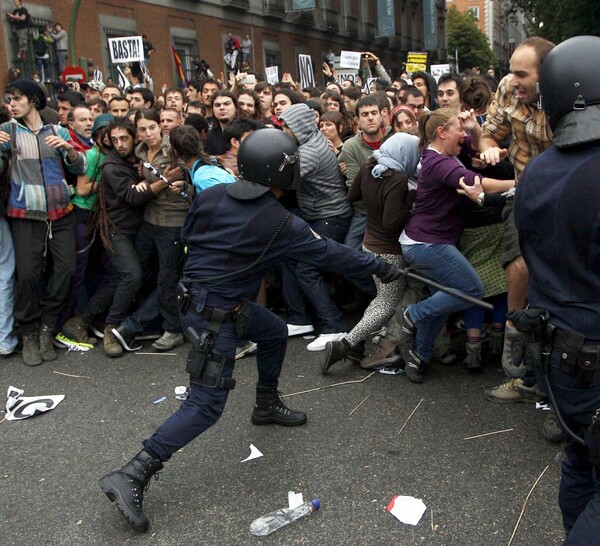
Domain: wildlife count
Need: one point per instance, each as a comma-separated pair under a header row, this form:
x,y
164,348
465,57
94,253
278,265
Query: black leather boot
x,y
415,369
334,352
127,486
270,409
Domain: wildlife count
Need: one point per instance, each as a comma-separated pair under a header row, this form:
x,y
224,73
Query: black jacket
x,y
124,204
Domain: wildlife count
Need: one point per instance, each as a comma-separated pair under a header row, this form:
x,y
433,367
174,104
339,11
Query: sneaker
x,y
125,338
319,343
31,349
408,329
415,369
63,342
111,345
514,390
552,431
386,354
300,329
168,341
247,349
46,343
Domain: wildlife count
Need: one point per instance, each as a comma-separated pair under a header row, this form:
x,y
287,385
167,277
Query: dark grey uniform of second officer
x,y
235,232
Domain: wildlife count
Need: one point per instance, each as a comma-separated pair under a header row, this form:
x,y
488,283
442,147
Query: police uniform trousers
x,y
579,494
204,405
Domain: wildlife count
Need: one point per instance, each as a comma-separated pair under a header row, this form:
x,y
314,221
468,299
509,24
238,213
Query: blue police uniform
x,y
225,235
557,211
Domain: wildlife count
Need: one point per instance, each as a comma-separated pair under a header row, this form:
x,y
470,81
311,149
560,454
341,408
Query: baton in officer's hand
x,y
388,273
151,168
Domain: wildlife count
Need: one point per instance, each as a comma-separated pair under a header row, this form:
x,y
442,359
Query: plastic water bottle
x,y
275,520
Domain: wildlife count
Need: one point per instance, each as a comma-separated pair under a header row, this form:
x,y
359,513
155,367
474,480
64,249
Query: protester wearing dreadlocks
x,y
122,195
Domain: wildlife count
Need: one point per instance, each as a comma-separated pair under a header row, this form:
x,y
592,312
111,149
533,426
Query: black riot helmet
x,y
266,158
570,91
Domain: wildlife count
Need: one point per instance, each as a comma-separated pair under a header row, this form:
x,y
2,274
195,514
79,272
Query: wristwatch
x,y
481,199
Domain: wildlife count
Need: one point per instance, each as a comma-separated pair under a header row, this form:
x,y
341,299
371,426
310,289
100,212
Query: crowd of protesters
x,y
96,185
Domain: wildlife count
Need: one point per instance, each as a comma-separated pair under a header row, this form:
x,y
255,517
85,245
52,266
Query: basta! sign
x,y
128,49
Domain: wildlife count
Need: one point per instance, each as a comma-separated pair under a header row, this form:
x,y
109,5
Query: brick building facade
x,y
198,29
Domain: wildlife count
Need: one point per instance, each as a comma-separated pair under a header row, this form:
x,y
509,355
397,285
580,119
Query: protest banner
x,y
127,49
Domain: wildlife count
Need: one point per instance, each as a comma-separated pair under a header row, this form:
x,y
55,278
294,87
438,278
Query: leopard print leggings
x,y
382,308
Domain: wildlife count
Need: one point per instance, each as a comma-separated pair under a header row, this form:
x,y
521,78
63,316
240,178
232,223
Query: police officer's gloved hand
x,y
388,272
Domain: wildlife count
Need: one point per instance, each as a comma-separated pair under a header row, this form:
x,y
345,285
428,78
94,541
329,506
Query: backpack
x,y
40,46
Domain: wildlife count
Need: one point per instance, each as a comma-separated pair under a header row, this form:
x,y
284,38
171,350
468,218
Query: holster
x,y
204,365
577,357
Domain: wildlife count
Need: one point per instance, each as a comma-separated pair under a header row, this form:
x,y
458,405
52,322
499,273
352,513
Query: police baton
x,y
151,168
452,291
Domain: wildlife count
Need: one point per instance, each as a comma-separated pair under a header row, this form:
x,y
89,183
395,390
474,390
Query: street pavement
x,y
354,463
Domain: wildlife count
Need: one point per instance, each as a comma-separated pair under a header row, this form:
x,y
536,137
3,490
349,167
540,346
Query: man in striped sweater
x,y
40,215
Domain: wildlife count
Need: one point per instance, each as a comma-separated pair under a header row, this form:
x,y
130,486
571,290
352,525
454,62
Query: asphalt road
x,y
474,490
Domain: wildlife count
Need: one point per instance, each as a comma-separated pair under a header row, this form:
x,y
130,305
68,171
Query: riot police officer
x,y
234,233
557,210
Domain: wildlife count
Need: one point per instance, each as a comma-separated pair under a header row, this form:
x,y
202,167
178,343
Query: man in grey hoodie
x,y
323,204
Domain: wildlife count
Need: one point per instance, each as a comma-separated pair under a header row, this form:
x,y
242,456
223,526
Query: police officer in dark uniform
x,y
235,232
557,210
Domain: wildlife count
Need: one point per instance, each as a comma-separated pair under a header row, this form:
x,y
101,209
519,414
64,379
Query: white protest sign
x,y
350,59
272,73
367,87
128,49
438,69
307,75
352,76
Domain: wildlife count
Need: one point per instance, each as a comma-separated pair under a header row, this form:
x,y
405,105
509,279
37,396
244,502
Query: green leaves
x,y
472,44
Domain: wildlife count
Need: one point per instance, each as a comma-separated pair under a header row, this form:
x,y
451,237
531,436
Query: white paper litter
x,y
543,406
22,407
254,454
295,499
408,510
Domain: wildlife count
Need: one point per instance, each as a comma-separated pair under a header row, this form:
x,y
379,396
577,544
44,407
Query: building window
x,y
273,58
30,64
474,11
187,49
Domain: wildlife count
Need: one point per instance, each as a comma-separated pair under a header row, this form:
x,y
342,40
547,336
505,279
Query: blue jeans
x,y
8,340
475,316
204,405
445,264
579,493
312,282
356,231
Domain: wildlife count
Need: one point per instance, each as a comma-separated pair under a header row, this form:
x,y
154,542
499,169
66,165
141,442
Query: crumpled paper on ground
x,y
408,510
22,407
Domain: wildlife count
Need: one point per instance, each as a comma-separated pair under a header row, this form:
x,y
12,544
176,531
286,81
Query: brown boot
x,y
46,343
31,349
112,347
76,329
